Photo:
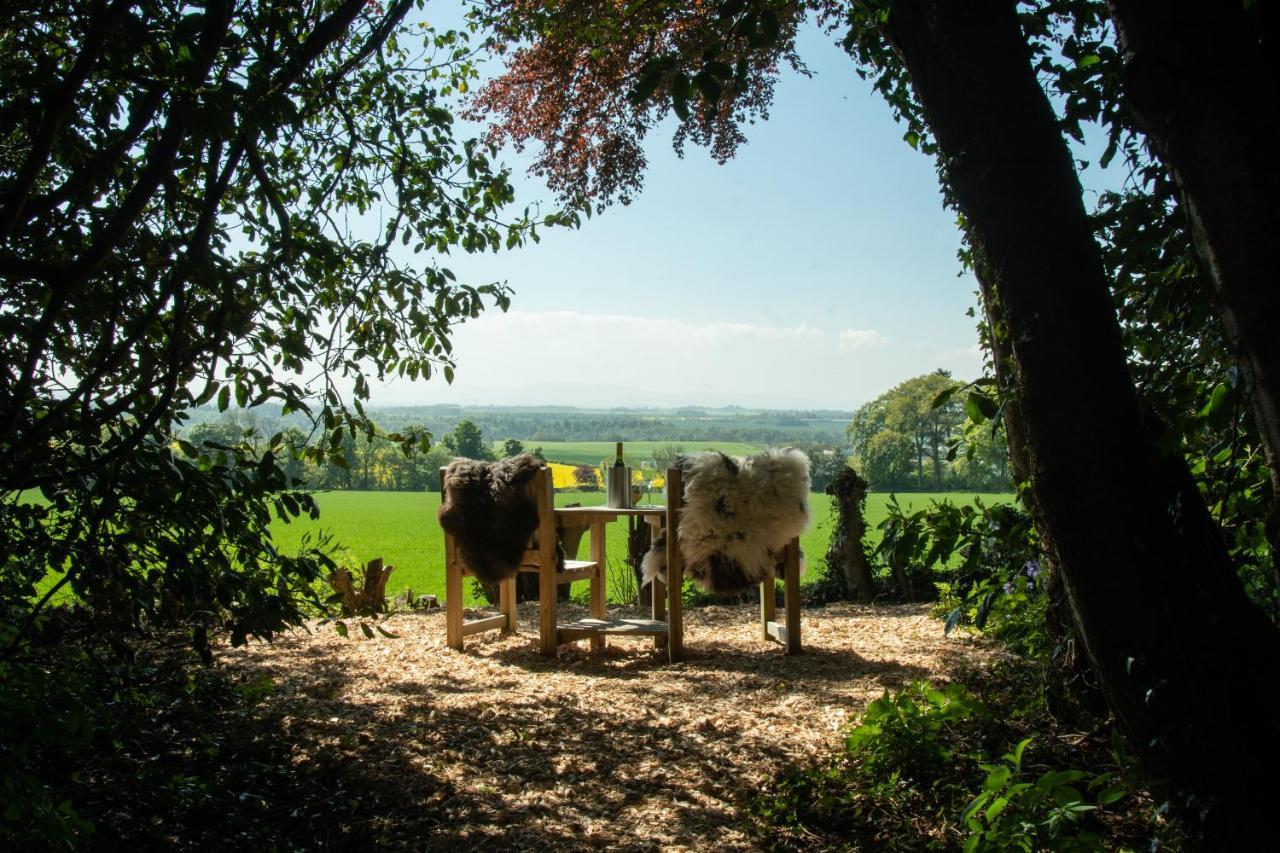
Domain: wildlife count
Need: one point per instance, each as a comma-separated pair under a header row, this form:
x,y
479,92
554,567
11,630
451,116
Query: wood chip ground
x,y
497,747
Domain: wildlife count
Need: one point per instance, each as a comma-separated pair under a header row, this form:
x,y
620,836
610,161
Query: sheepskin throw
x,y
738,516
487,510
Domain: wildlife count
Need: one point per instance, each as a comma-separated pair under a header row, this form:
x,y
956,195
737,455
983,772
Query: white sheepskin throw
x,y
738,516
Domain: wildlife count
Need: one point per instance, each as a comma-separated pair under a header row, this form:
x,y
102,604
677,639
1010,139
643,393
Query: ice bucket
x,y
617,486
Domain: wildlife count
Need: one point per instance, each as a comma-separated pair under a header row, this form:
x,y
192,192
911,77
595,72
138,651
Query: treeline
x,y
900,441
567,424
379,462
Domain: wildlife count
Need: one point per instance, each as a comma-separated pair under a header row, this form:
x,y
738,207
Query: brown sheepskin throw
x,y
738,516
487,510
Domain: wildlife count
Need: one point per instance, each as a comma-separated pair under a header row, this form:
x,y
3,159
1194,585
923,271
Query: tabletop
x,y
611,510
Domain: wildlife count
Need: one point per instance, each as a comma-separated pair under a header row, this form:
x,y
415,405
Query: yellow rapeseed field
x,y
562,477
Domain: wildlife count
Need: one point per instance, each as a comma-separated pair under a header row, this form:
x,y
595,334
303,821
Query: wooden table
x,y
596,628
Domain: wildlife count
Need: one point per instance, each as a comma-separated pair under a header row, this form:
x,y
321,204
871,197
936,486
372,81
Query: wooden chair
x,y
787,633
540,556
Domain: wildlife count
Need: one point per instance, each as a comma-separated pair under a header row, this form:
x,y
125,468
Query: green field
x,y
401,528
633,452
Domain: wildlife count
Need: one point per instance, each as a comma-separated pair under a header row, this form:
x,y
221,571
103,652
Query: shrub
x,y
902,735
1013,811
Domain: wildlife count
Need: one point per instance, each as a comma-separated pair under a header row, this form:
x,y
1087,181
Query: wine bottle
x,y
619,489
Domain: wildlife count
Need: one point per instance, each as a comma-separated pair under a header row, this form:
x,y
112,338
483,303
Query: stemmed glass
x,y
647,472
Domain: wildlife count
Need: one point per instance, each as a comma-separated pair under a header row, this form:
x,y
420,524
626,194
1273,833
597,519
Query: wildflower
x,y
1032,568
1008,588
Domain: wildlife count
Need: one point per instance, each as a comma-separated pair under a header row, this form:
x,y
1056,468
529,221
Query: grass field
x,y
633,452
401,528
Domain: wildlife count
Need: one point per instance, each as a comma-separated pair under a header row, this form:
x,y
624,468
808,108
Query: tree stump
x,y
371,597
847,553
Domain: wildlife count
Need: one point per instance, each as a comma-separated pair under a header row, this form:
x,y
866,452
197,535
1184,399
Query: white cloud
x,y
581,359
856,339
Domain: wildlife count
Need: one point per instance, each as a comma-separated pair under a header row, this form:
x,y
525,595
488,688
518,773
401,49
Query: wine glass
x,y
647,472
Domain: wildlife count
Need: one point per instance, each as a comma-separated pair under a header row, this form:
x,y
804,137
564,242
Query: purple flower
x,y
1008,589
1032,568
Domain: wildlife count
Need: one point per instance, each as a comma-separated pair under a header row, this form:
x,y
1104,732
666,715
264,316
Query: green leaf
x,y
945,395
998,777
997,806
708,86
719,69
1054,778
224,398
1066,795
1217,399
366,630
650,80
979,407
680,95
1111,794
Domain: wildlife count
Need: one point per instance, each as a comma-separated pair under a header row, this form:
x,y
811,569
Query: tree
x,y
512,447
903,427
585,477
1097,482
467,441
1205,122
826,462
664,457
222,203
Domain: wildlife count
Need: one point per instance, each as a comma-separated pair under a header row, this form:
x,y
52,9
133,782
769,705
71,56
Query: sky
x,y
816,269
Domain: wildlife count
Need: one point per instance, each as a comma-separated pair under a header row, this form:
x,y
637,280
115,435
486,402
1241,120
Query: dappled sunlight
x,y
498,746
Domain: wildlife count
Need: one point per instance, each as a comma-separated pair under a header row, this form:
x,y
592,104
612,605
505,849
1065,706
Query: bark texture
x,y
1164,621
848,552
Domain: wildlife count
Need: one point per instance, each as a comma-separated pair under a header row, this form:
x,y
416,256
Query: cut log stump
x,y
372,596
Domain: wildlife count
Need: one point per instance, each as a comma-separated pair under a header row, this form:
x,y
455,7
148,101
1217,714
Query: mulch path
x,y
499,748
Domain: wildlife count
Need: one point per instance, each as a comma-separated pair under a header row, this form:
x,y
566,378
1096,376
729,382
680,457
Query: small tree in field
x,y
467,441
585,476
512,447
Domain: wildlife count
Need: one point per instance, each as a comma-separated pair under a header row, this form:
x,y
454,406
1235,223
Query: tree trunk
x,y
847,551
1163,618
371,597
1071,690
1213,122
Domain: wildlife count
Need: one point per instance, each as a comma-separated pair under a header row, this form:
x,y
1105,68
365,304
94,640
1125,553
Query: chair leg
x,y
507,604
658,609
793,597
547,607
598,610
768,606
452,597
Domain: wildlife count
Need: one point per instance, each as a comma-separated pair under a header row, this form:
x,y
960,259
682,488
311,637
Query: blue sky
x,y
816,269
